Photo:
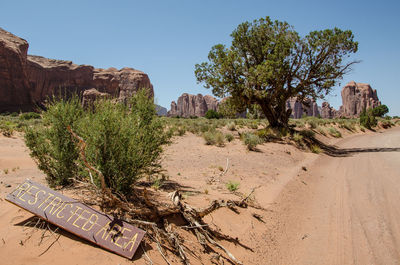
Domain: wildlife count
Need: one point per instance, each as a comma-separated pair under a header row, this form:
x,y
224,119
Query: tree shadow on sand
x,y
335,151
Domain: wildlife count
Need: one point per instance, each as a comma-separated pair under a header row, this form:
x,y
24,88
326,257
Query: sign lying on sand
x,y
77,218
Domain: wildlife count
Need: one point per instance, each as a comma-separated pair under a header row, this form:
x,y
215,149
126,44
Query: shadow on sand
x,y
335,151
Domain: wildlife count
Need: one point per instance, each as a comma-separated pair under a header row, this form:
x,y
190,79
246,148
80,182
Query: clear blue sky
x,y
166,39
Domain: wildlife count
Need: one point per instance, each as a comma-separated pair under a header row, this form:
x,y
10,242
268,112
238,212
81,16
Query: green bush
x,y
251,141
29,116
229,137
232,185
367,119
231,126
209,137
307,133
297,137
321,131
220,139
380,111
335,133
124,142
214,138
52,146
7,128
312,123
315,149
212,114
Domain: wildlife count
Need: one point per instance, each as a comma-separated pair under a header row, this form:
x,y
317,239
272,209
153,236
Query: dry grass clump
x,y
251,141
231,126
297,137
315,149
229,137
321,130
214,138
334,132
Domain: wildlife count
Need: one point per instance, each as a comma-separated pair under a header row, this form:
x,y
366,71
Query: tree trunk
x,y
277,117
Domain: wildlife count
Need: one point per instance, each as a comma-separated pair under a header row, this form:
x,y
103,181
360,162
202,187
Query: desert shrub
x,y
123,141
214,137
229,137
251,141
29,116
231,126
204,127
300,124
219,138
312,124
315,149
321,131
212,114
380,111
52,146
209,137
335,133
307,133
253,126
181,130
297,137
385,124
367,119
232,185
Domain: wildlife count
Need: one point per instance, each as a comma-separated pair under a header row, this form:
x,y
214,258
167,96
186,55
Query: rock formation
x,y
26,80
309,107
161,111
192,105
90,95
356,97
328,112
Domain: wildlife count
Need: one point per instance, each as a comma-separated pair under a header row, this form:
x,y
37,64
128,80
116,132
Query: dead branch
x,y
146,214
226,168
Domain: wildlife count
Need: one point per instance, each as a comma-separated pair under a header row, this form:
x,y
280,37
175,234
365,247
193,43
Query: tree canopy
x,y
268,63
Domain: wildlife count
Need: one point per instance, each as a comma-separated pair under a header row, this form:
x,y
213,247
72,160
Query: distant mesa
x,y
161,111
193,105
356,97
309,107
26,81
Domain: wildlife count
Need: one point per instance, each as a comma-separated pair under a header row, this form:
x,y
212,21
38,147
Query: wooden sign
x,y
77,218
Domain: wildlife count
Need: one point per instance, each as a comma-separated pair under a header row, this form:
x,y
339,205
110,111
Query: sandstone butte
x,y
355,98
26,81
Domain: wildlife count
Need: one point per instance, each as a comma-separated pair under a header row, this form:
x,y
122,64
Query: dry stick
x,y
145,254
226,168
50,245
248,196
82,148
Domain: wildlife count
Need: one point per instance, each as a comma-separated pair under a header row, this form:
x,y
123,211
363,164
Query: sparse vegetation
x,y
231,126
297,137
124,143
315,149
29,116
212,114
229,137
367,119
232,185
335,133
251,141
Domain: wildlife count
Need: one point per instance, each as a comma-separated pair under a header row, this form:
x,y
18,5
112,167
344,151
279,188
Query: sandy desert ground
x,y
319,209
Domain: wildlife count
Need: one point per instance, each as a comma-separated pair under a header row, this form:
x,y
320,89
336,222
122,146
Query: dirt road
x,y
342,210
